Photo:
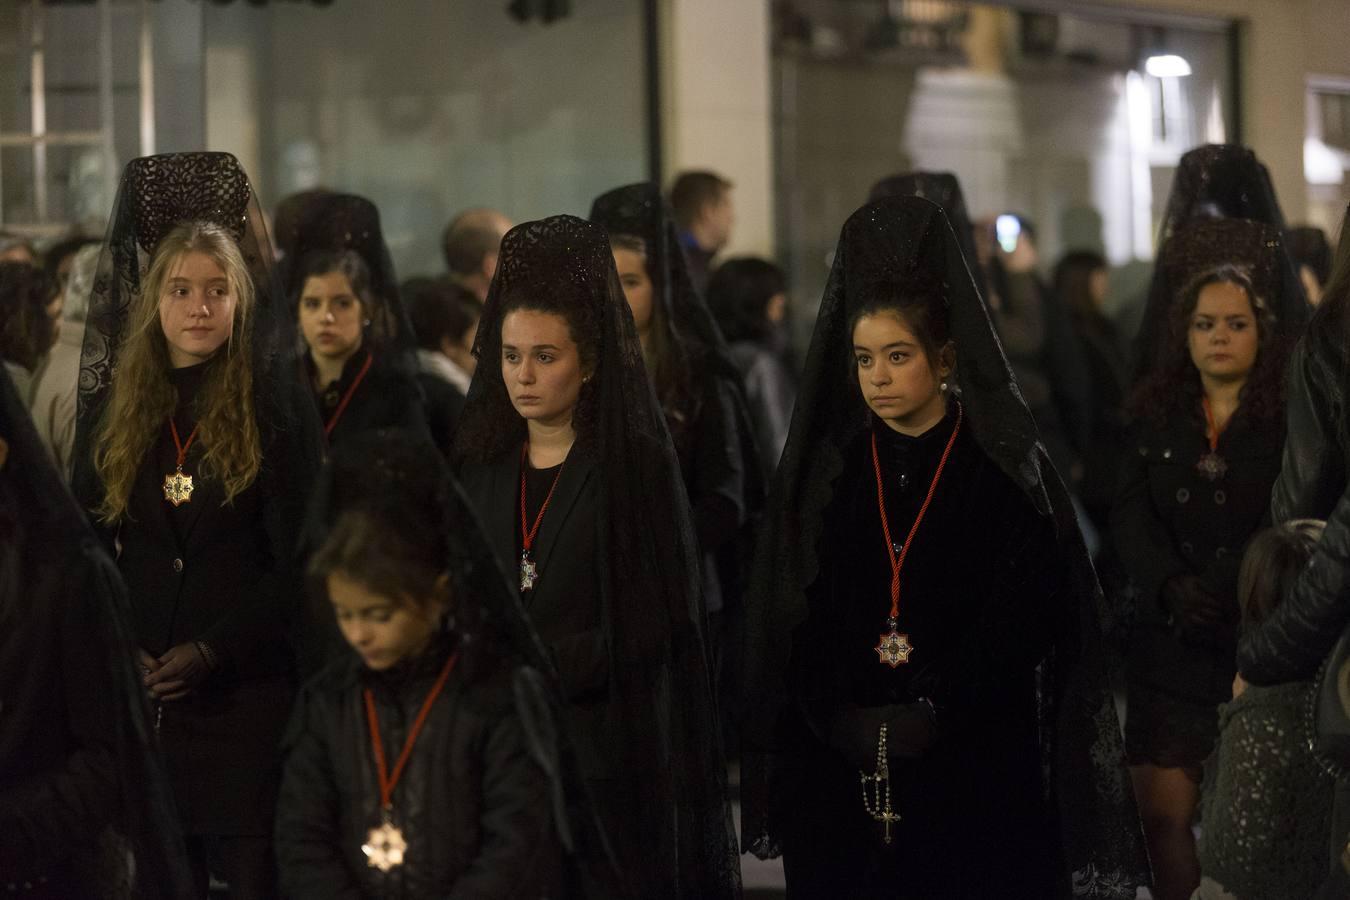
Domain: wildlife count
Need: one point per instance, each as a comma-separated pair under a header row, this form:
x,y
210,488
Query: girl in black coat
x,y
436,677
1195,488
197,460
564,454
923,613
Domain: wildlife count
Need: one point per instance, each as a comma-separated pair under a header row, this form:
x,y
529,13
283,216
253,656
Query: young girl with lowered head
x,y
423,762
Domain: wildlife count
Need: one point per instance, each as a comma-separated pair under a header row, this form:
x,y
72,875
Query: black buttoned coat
x,y
1170,519
225,574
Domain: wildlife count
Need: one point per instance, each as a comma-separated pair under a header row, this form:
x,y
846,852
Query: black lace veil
x,y
1216,181
400,479
944,189
896,240
58,587
652,607
156,194
640,210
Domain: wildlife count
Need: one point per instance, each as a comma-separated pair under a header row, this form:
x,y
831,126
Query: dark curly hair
x,y
482,438
1173,387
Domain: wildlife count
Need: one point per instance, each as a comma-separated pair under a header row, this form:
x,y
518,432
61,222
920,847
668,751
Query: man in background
x,y
703,212
470,244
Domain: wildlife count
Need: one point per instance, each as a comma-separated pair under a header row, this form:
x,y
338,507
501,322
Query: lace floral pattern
x,y
1266,813
1218,181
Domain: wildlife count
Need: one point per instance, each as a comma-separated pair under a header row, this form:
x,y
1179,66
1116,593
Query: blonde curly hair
x,y
141,397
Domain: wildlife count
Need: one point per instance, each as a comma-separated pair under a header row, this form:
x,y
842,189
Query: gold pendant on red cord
x,y
895,647
385,846
178,487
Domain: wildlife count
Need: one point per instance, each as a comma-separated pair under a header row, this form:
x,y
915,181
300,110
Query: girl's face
x,y
382,630
896,377
196,309
1223,335
330,316
637,286
541,366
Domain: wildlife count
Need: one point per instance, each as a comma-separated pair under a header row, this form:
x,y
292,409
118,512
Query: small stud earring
x,y
943,387
365,323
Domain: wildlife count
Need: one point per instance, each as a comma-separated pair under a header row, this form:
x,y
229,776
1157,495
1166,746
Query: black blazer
x,y
566,605
225,574
444,405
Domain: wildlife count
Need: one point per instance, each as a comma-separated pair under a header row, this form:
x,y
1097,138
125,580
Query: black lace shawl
x,y
641,211
887,242
652,609
1216,181
400,479
944,189
156,194
101,815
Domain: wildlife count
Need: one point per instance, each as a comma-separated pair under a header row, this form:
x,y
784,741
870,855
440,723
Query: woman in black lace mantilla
x,y
975,688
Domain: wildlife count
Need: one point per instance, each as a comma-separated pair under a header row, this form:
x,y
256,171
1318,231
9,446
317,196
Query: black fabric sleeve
x,y
274,608
1021,318
1016,627
718,484
1070,377
71,800
411,407
1291,644
308,829
519,845
583,663
1141,538
1313,472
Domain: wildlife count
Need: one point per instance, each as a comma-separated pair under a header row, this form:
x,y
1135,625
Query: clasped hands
x,y
176,674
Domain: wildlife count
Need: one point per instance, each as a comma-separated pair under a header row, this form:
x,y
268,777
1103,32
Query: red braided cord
x,y
898,562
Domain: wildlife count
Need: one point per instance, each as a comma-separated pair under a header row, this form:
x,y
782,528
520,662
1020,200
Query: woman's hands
x,y
1194,611
178,672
